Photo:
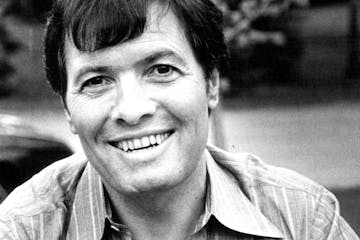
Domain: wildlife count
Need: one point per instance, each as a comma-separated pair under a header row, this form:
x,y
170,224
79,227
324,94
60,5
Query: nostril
x,y
133,112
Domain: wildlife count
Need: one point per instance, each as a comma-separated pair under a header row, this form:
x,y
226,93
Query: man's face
x,y
140,108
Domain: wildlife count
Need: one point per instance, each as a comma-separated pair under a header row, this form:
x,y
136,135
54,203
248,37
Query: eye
x,y
96,84
163,72
163,69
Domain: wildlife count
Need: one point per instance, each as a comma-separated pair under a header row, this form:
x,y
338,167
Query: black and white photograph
x,y
179,119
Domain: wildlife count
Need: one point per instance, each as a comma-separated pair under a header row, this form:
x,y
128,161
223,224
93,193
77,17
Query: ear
x,y
69,120
213,85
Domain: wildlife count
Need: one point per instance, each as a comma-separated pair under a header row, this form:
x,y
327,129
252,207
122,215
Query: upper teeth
x,y
144,142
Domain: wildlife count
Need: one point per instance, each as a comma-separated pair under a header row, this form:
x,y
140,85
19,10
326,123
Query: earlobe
x,y
213,89
69,120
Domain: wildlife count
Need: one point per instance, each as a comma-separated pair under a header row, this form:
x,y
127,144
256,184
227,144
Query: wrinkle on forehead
x,y
163,33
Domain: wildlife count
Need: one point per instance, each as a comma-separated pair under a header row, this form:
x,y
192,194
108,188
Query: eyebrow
x,y
145,61
162,54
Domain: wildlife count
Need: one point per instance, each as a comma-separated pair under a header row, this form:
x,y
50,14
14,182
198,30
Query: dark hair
x,y
94,25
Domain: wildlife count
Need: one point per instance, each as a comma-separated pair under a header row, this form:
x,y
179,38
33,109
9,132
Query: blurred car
x,y
24,151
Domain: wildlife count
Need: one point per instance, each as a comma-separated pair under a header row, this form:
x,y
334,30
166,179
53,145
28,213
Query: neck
x,y
168,214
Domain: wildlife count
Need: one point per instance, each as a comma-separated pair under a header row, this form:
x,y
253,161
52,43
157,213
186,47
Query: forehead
x,y
163,32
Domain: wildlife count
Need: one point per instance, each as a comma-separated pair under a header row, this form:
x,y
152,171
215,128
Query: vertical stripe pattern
x,y
246,199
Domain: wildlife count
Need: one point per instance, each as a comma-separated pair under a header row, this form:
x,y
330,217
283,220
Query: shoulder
x,y
45,191
288,199
302,203
251,171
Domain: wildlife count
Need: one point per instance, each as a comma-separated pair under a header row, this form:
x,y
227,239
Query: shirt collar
x,y
229,205
225,201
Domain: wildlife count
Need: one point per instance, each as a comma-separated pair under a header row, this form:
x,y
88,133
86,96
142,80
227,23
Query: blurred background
x,y
291,93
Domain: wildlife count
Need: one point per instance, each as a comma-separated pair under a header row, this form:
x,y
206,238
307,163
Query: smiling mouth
x,y
143,143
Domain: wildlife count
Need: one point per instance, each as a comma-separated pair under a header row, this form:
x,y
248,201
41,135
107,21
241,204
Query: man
x,y
138,80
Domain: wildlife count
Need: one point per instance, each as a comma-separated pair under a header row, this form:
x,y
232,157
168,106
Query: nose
x,y
133,102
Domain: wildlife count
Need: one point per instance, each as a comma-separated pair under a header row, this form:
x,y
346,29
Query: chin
x,y
155,182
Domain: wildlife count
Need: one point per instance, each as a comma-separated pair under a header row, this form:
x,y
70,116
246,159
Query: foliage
x,y
262,46
240,17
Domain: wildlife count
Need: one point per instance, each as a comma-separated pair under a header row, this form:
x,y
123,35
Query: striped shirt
x,y
246,199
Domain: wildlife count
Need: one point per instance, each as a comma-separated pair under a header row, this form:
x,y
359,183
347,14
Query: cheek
x,y
189,106
87,116
188,101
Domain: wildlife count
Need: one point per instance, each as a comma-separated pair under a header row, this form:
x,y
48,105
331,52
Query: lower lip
x,y
148,152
